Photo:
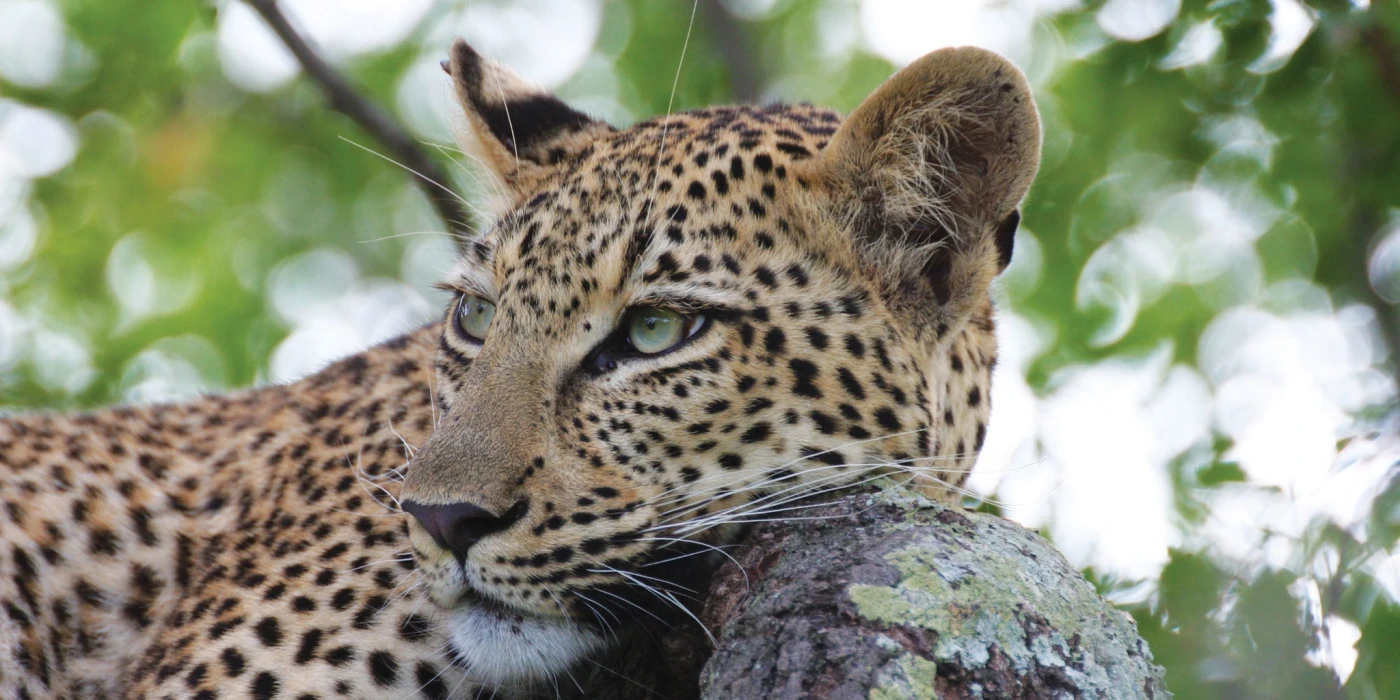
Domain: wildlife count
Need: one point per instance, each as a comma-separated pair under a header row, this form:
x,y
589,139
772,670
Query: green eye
x,y
474,316
652,330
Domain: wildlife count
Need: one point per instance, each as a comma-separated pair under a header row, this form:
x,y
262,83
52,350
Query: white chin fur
x,y
508,652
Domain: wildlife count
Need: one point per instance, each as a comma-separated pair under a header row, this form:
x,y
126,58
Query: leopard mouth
x,y
500,643
474,599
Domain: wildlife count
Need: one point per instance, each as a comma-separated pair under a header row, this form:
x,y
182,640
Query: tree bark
x,y
888,595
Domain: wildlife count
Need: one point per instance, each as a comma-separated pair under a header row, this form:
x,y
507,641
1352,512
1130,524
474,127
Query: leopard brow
x,y
468,277
689,300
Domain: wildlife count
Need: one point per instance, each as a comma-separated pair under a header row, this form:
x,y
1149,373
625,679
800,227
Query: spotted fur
x,y
253,545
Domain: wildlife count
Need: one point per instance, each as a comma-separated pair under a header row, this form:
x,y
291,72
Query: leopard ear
x,y
928,173
519,131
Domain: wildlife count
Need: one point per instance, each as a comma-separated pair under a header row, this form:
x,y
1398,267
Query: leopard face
x,y
672,329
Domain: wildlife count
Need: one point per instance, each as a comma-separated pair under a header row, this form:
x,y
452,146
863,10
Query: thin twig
x,y
1366,219
745,74
347,100
1383,53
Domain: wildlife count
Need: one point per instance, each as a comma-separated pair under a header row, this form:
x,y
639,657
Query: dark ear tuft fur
x,y
519,128
1006,237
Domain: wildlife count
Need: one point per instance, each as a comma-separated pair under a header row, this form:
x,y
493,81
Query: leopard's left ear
x,y
521,132
928,173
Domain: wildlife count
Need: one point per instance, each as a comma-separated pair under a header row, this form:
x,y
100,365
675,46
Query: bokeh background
x,y
1197,396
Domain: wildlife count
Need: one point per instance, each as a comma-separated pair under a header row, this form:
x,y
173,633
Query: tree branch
x,y
345,99
884,594
888,595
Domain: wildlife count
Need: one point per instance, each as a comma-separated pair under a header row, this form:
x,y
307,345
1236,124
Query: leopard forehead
x,y
658,204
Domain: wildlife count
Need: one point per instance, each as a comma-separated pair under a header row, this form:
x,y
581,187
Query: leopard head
x,y
675,328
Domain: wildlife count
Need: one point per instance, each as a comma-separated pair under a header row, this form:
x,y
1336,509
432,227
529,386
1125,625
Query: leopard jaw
x,y
505,649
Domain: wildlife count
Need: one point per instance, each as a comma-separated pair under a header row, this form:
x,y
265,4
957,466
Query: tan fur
x,y
950,143
253,545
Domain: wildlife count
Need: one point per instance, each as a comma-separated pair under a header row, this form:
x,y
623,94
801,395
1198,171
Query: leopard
x,y
663,332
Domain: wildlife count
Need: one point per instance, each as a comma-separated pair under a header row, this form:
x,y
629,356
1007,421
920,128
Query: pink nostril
x,y
456,527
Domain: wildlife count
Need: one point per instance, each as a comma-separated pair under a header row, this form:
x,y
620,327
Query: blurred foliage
x,y
213,187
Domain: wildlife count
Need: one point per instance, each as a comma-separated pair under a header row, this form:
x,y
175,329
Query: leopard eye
x,y
652,330
474,316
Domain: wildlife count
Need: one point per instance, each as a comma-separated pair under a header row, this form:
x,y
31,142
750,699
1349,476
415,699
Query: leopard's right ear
x,y
518,130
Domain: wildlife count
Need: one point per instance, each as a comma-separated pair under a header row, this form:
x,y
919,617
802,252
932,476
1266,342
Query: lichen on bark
x,y
888,595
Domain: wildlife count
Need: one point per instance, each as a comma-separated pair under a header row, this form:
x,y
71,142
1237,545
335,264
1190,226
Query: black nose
x,y
456,527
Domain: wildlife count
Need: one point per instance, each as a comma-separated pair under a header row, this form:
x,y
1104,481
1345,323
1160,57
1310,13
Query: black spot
x,y
766,277
780,475
887,419
803,372
104,542
265,686
794,150
721,182
831,457
269,632
974,397
746,332
234,663
415,627
310,642
816,338
797,274
826,424
775,340
343,598
731,461
384,668
756,433
429,682
339,656
854,346
851,384
696,191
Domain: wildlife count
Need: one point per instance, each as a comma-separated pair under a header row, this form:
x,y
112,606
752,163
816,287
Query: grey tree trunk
x,y
887,595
